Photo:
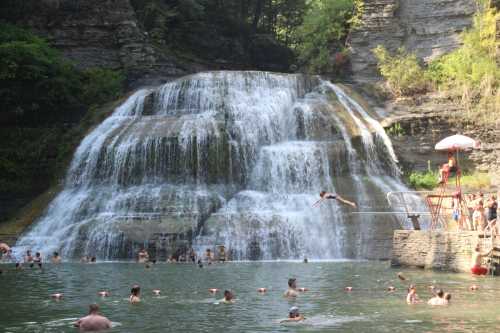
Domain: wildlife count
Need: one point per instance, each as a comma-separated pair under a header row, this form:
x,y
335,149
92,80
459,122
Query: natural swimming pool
x,y
186,305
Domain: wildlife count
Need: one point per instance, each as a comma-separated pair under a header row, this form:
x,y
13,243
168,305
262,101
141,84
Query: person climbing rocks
x,y
327,195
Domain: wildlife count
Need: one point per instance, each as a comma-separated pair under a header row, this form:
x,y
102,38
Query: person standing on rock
x,y
326,195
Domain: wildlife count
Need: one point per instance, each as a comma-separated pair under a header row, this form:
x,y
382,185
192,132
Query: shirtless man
x,y
326,195
56,258
292,288
477,256
438,299
94,321
135,293
142,256
293,315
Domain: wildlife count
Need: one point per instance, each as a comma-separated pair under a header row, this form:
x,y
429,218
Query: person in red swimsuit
x,y
477,257
325,195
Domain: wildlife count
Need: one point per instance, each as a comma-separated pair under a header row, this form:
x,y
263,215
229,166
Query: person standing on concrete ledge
x,y
477,257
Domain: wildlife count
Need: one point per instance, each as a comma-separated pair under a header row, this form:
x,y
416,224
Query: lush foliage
x,y
43,98
402,71
423,180
254,32
428,180
323,33
470,72
268,34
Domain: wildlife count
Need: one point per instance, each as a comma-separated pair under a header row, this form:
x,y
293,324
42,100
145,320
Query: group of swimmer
x,y
439,298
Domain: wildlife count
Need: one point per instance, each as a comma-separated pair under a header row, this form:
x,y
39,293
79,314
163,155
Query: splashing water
x,y
233,158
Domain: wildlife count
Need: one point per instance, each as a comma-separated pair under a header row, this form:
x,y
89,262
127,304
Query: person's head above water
x,y
292,283
136,290
93,309
228,295
322,193
447,296
293,312
440,293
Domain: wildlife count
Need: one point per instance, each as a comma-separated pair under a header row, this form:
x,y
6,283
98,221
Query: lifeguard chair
x,y
453,144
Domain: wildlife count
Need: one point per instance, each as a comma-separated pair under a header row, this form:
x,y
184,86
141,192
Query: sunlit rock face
x,y
428,28
228,158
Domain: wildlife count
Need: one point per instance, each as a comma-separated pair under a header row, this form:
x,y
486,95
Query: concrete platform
x,y
439,250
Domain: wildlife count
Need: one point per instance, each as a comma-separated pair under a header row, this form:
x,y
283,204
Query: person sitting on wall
x,y
477,257
448,168
326,195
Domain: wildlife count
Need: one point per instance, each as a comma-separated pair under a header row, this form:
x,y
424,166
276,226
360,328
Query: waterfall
x,y
232,158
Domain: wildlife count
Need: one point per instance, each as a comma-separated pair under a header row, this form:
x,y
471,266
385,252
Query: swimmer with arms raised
x,y
94,321
326,195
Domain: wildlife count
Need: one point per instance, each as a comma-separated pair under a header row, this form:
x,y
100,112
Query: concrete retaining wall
x,y
434,249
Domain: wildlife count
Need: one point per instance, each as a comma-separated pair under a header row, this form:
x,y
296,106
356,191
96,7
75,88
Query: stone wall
x,y
439,250
427,27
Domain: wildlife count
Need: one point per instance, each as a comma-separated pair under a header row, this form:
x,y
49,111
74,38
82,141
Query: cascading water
x,y
233,158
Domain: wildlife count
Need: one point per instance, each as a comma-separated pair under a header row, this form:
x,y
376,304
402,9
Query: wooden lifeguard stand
x,y
452,144
435,201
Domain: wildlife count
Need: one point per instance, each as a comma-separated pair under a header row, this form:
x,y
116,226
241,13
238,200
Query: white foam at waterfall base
x,y
234,158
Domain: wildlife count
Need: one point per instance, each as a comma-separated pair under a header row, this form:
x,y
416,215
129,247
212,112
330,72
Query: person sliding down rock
x,y
326,195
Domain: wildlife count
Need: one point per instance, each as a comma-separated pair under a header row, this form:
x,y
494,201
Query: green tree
x,y
321,36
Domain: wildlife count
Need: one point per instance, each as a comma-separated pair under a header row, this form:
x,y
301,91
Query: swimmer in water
x,y
293,315
38,258
412,297
19,266
94,321
143,256
28,258
326,195
135,294
56,258
447,298
292,288
93,259
438,298
228,297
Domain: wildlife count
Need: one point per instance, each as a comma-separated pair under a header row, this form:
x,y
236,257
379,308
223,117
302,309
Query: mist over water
x,y
229,158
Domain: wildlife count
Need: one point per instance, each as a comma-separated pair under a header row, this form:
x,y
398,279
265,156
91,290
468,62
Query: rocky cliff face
x,y
94,33
427,27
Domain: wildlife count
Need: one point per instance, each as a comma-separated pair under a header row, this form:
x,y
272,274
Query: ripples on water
x,y
185,305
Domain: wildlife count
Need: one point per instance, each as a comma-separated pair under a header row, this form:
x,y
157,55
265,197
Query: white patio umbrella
x,y
457,142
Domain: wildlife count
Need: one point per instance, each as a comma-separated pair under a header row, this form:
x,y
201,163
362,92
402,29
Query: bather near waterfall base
x,y
213,179
233,159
